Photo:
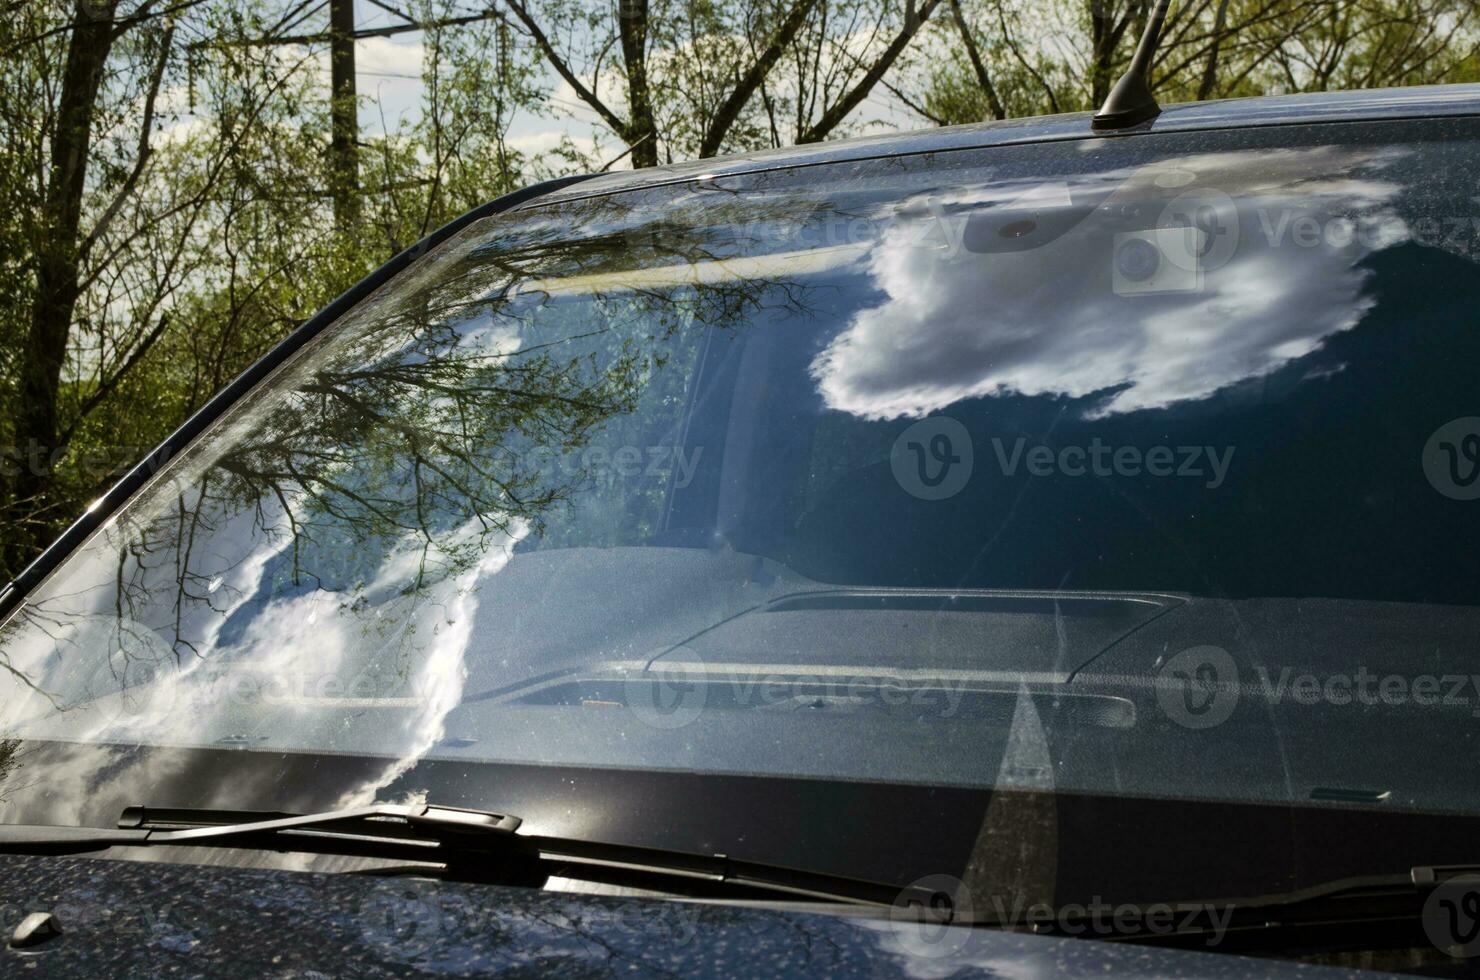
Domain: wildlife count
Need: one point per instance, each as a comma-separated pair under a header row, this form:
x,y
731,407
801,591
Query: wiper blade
x,y
1369,912
472,844
419,833
433,822
721,875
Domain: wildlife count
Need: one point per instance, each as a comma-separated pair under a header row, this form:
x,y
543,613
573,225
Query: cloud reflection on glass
x,y
1046,320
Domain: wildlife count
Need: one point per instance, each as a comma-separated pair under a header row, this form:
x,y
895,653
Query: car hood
x,y
126,918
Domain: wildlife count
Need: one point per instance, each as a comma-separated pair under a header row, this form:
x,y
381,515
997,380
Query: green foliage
x,y
1042,56
224,240
205,228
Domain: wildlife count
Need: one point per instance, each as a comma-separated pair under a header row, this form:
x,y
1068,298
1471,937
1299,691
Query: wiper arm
x,y
417,833
472,844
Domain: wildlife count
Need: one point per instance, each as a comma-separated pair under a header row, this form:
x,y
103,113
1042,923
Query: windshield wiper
x,y
415,833
471,845
1370,912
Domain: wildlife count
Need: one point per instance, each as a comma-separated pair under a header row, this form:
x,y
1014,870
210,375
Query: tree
x,y
182,182
379,472
344,111
167,184
999,58
62,244
696,79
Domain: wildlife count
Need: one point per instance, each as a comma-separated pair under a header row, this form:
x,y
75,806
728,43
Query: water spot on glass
x,y
1175,177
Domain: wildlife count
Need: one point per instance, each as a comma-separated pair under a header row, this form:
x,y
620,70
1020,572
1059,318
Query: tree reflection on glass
x,y
345,511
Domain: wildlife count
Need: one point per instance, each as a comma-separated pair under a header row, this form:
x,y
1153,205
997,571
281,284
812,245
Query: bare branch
x,y
839,110
563,70
745,88
977,65
144,152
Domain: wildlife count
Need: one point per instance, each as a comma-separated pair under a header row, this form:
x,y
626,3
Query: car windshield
x,y
810,514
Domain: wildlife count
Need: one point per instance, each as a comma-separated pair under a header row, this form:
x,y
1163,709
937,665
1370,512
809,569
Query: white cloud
x,y
1046,321
384,55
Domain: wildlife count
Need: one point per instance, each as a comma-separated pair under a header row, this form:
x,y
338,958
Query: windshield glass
x,y
1129,469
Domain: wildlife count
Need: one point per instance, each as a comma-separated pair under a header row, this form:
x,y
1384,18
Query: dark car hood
x,y
124,918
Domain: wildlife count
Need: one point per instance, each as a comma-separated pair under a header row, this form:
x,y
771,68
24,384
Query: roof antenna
x,y
1130,101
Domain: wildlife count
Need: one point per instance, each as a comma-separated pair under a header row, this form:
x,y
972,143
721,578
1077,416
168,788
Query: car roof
x,y
1280,110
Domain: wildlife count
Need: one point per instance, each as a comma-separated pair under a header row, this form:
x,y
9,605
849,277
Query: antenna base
x,y
1129,103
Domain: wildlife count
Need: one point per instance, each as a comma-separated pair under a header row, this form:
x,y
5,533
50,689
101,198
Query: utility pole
x,y
344,170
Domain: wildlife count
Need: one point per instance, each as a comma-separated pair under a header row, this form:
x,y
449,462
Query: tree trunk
x,y
344,171
1099,71
1206,87
978,65
57,273
1106,31
642,132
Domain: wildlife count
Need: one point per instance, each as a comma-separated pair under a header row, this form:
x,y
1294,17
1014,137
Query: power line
x,y
389,9
322,36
